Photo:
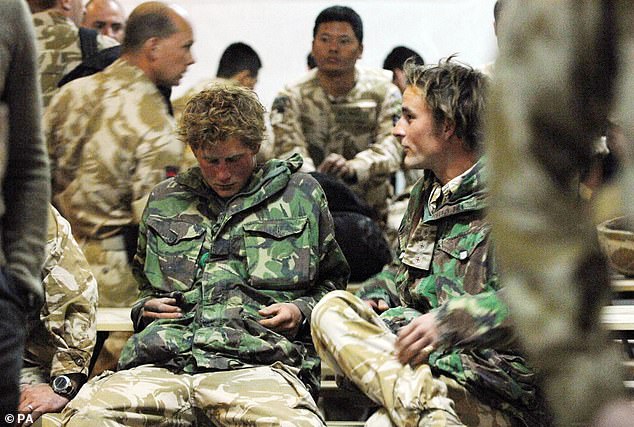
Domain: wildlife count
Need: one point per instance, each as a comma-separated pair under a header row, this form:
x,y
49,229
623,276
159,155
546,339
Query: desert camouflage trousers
x,y
150,396
355,342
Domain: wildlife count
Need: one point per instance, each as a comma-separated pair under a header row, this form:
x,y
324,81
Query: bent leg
x,y
142,396
260,396
358,345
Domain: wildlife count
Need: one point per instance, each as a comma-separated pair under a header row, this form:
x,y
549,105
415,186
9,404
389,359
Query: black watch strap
x,y
64,386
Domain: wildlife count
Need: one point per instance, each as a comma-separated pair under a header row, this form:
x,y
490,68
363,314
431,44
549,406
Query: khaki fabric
x,y
354,340
261,396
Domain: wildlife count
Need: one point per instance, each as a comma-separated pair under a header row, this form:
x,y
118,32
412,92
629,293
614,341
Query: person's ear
x,y
242,77
448,129
151,48
360,51
66,4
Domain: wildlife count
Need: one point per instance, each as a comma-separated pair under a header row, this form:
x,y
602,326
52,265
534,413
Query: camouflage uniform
x,y
111,139
445,268
59,50
358,126
563,67
61,339
224,261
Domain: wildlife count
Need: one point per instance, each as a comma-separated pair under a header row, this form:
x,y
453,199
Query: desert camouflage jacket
x,y
224,261
446,266
58,49
111,140
358,126
62,339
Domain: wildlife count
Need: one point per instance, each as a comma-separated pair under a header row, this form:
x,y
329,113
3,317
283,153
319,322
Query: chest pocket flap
x,y
278,229
279,253
173,247
463,246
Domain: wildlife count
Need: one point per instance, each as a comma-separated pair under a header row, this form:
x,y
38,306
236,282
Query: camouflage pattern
x,y
111,140
445,266
226,259
358,126
258,396
59,50
358,345
61,339
552,92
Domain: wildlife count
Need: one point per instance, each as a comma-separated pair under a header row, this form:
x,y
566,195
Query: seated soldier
x,y
62,336
232,258
423,360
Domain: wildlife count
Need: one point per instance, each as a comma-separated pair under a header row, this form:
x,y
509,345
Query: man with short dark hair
x,y
395,61
111,139
239,64
423,359
232,258
339,116
107,17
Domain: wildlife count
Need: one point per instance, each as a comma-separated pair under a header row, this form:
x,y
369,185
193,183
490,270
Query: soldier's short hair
x,y
220,112
340,14
453,92
151,19
238,57
397,57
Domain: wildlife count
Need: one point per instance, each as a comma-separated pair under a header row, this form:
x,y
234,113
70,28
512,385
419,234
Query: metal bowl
x,y
616,237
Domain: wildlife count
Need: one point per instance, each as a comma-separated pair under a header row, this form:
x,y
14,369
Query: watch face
x,y
62,384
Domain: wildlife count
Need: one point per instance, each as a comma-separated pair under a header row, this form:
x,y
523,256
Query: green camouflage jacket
x,y
358,126
224,261
445,266
62,338
58,49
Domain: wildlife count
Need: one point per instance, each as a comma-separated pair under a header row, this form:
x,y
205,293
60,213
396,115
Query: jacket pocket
x,y
279,254
173,247
466,257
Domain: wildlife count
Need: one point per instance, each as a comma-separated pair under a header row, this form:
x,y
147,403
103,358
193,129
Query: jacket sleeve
x,y
71,300
385,155
382,285
287,129
333,270
145,288
26,183
476,321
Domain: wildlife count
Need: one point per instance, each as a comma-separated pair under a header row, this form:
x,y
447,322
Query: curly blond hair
x,y
220,112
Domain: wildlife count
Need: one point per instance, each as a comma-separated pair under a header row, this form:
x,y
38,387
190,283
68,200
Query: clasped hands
x,y
283,318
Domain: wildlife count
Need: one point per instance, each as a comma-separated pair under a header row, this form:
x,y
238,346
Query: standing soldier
x,y
58,40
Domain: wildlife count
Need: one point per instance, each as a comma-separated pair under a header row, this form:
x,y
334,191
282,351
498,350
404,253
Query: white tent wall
x,y
281,32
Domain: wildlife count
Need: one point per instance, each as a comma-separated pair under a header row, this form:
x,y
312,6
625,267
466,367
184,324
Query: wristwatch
x,y
63,386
